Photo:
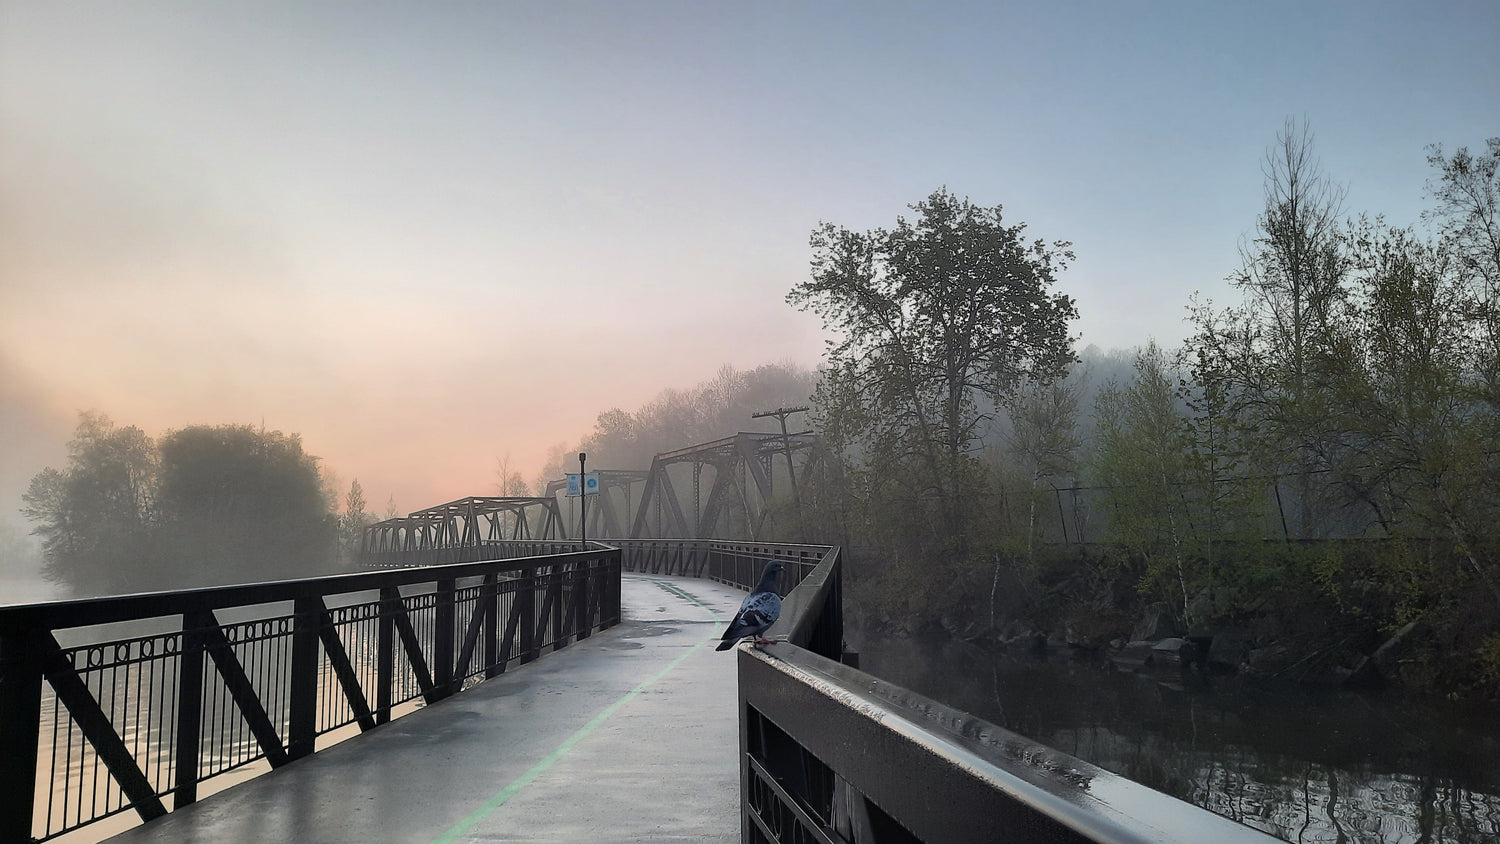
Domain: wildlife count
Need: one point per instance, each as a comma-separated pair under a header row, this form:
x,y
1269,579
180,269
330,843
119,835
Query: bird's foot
x,y
761,640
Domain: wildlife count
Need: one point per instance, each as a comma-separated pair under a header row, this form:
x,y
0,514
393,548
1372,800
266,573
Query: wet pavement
x,y
630,735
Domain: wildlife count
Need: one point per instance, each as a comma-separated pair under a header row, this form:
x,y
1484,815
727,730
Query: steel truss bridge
x,y
741,487
743,471
465,530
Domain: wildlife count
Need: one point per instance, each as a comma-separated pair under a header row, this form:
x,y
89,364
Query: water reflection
x,y
1306,765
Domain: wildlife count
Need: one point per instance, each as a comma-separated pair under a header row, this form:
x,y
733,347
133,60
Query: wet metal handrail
x,y
113,704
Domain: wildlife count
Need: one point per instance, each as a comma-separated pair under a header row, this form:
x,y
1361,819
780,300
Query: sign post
x,y
583,501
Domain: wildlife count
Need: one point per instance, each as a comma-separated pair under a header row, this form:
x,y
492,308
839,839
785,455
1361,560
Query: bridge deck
x,y
629,735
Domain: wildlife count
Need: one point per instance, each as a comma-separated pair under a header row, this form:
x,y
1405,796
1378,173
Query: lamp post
x,y
583,500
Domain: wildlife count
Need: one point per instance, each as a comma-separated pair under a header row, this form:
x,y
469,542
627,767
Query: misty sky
x,y
425,235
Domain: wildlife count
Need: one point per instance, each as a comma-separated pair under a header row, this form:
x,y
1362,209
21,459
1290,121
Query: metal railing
x,y
831,754
730,562
110,705
489,549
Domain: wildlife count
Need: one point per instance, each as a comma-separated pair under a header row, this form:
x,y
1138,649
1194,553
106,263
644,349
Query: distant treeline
x,y
200,505
1353,392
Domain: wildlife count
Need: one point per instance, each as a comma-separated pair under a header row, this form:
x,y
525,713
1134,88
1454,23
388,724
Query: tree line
x,y
197,506
1325,444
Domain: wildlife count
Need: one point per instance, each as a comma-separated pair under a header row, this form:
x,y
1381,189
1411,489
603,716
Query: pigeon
x,y
758,612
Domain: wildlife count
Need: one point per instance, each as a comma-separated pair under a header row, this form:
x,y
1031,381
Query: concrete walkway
x,y
629,736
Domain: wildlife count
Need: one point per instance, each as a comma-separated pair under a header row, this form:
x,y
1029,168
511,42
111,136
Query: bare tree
x,y
508,481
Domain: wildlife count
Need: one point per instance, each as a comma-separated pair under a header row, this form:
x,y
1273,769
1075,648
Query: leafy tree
x,y
94,517
246,503
353,522
1412,394
1467,190
1044,440
940,320
1267,360
201,505
1142,460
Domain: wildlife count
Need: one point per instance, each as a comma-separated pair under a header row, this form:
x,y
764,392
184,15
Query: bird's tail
x,y
727,644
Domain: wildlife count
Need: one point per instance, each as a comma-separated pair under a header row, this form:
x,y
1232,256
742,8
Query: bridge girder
x,y
741,464
466,523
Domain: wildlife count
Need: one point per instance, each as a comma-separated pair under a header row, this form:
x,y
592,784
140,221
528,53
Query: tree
x,y
1142,461
939,320
240,504
509,482
1268,359
353,522
1467,190
94,517
1045,439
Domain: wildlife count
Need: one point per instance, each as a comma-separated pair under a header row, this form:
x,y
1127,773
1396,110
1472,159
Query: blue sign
x,y
590,484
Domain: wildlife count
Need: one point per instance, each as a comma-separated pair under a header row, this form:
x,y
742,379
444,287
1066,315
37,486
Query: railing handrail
x,y
83,612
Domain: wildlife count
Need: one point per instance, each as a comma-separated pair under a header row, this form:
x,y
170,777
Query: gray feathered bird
x,y
758,612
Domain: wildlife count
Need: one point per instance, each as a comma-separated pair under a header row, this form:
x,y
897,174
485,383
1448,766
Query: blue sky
x,y
425,235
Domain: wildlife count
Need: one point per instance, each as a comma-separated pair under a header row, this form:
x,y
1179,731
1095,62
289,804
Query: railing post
x,y
189,714
385,661
581,583
526,601
489,596
614,593
302,726
20,722
442,633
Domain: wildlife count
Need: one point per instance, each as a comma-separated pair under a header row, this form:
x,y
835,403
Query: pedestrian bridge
x,y
628,726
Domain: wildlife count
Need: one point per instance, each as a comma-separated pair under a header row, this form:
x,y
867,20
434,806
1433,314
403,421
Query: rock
x,y
1174,652
1157,622
961,627
1268,660
1228,650
1031,643
1133,656
1087,631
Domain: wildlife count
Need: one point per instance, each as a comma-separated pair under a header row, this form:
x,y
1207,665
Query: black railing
x,y
115,704
489,549
831,754
733,563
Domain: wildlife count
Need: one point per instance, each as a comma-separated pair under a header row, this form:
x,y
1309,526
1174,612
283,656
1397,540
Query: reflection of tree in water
x,y
1306,765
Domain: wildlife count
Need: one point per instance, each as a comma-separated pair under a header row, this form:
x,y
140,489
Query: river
x,y
1304,764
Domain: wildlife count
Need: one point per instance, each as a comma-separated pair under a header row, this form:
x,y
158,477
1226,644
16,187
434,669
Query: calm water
x,y
1307,765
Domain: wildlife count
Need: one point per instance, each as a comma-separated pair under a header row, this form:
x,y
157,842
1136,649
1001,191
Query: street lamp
x,y
583,500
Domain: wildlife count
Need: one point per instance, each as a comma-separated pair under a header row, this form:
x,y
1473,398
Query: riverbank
x,y
1301,762
1346,613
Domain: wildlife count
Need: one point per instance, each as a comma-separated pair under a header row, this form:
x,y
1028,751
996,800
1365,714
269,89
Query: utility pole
x,y
781,413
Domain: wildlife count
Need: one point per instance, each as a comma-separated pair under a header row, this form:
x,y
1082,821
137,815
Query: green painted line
x,y
473,818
